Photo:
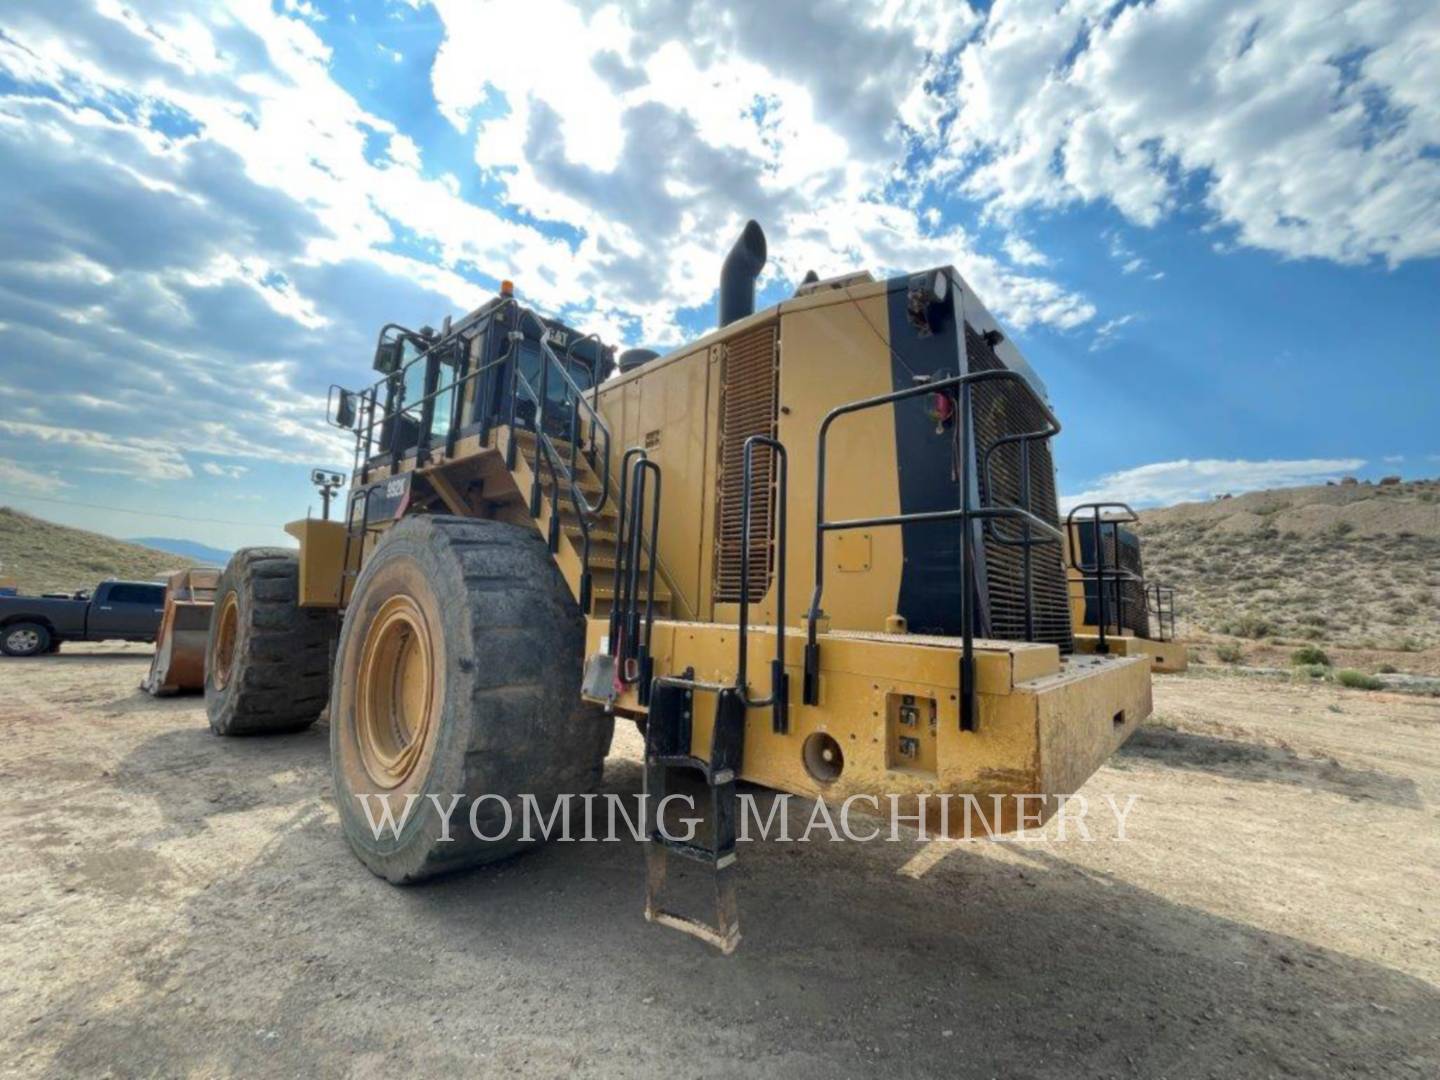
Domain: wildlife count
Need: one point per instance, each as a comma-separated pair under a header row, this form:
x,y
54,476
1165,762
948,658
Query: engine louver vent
x,y
999,412
749,401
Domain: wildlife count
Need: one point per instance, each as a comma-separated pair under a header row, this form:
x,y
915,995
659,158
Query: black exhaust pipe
x,y
737,276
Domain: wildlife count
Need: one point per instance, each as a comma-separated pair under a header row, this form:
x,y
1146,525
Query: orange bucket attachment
x,y
179,663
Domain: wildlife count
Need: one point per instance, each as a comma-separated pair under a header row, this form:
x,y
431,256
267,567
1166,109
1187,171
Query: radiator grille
x,y
997,412
749,399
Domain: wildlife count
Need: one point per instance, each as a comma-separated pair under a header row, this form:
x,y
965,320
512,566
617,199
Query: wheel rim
x,y
222,657
25,640
396,692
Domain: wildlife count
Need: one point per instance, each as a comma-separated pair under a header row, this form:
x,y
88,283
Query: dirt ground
x,y
177,904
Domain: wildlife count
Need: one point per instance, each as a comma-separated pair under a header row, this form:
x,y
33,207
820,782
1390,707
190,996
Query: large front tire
x,y
458,674
267,660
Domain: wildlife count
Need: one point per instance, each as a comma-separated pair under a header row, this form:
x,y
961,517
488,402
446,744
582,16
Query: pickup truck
x,y
116,611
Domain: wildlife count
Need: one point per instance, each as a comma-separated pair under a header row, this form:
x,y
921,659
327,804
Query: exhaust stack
x,y
737,277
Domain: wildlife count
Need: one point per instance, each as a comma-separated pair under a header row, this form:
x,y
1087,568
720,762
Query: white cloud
x,y
232,472
138,458
1105,333
1167,482
15,475
1310,127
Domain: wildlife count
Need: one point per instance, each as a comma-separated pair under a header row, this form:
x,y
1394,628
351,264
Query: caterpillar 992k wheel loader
x,y
531,549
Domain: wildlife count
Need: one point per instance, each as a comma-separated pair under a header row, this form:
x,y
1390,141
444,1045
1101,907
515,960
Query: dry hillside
x,y
46,557
1353,569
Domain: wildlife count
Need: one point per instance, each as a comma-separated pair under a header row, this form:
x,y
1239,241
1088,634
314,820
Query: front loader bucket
x,y
179,663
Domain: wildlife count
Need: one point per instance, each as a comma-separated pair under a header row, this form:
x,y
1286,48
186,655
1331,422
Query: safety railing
x,y
1104,572
966,513
778,698
1160,602
629,645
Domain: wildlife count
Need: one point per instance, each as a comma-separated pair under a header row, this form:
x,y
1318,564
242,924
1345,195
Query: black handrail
x,y
778,698
965,513
633,646
619,603
1096,571
1163,609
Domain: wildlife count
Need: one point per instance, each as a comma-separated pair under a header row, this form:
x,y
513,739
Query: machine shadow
x,y
1262,763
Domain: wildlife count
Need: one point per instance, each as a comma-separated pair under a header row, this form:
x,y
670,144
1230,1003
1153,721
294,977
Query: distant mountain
x,y
46,557
201,553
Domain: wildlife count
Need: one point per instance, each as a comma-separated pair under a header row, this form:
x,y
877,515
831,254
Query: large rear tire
x,y
458,674
267,660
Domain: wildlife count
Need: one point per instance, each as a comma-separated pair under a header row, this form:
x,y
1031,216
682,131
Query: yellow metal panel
x,y
322,548
863,675
852,552
832,352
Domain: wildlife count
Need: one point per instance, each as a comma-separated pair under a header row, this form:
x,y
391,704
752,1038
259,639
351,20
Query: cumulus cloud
x,y
1311,128
1167,482
204,225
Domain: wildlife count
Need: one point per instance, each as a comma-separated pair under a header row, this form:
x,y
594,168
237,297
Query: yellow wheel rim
x,y
222,659
396,692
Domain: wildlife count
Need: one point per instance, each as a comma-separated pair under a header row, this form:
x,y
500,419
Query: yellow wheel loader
x,y
1114,608
817,549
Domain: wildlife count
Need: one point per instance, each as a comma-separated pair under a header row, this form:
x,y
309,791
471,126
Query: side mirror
x,y
343,408
388,355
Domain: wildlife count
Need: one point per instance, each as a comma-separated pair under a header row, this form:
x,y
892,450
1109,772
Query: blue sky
x,y
1213,227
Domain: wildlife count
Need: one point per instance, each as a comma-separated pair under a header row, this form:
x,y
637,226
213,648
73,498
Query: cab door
x,y
127,611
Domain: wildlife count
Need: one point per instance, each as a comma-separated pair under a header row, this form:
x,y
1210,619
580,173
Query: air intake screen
x,y
749,389
999,411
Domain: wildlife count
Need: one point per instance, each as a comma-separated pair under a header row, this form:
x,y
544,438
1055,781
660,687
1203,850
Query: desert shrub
x,y
1405,607
1311,671
1357,680
1229,653
1342,528
1313,633
1387,669
1247,626
1309,654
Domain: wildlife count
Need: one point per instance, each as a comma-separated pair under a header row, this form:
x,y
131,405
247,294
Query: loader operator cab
x,y
464,377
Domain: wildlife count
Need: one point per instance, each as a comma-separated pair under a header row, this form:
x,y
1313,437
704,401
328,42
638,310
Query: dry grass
x,y
1353,570
45,557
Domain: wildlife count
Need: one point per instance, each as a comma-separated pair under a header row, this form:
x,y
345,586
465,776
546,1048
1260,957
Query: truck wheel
x,y
24,639
266,659
458,674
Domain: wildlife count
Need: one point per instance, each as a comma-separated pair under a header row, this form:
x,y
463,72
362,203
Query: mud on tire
x,y
267,659
458,673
